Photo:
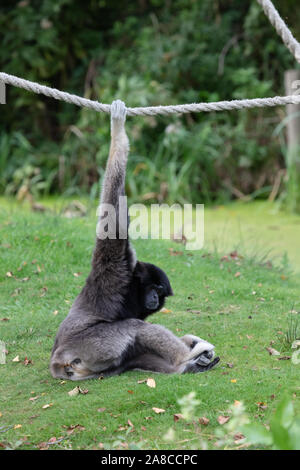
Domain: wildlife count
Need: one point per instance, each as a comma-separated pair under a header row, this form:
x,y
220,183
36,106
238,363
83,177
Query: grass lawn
x,y
238,304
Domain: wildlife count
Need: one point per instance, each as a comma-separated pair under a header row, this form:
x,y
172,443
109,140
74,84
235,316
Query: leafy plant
x,y
146,54
284,432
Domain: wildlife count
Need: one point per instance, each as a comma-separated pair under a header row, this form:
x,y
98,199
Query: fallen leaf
x,y
17,426
165,310
43,446
204,421
74,392
27,361
33,398
175,252
238,437
151,382
74,427
237,274
262,405
47,406
177,417
100,410
233,381
273,352
158,410
223,419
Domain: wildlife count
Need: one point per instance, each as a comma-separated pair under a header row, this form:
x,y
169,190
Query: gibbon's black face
x,y
153,286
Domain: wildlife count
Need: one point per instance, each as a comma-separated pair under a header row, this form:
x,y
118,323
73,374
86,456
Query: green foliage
x,y
284,433
146,53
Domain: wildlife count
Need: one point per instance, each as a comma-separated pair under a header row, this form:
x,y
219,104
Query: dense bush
x,y
146,52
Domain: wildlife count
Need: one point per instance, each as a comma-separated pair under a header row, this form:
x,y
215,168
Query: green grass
x,y
240,314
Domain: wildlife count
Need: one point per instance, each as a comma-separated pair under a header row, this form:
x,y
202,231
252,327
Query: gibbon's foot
x,y
195,367
201,354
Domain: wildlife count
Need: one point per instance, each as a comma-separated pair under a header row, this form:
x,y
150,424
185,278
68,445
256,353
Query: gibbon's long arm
x,y
113,217
113,259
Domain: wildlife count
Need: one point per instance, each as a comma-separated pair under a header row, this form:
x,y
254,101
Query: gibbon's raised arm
x,y
113,259
112,211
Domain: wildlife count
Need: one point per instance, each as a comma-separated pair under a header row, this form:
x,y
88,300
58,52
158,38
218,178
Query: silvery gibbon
x,y
105,332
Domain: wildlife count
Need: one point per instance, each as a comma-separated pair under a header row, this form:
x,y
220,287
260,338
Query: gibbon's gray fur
x,y
105,333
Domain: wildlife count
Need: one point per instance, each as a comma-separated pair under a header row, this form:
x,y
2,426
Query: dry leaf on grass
x,y
33,398
75,391
158,410
47,406
223,419
100,410
273,352
151,382
204,421
165,310
27,361
177,417
74,427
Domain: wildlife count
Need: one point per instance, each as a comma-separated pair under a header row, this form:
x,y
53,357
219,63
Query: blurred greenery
x,y
146,52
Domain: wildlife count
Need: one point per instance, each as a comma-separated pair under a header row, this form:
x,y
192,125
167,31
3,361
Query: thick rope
x,y
276,21
291,43
151,110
